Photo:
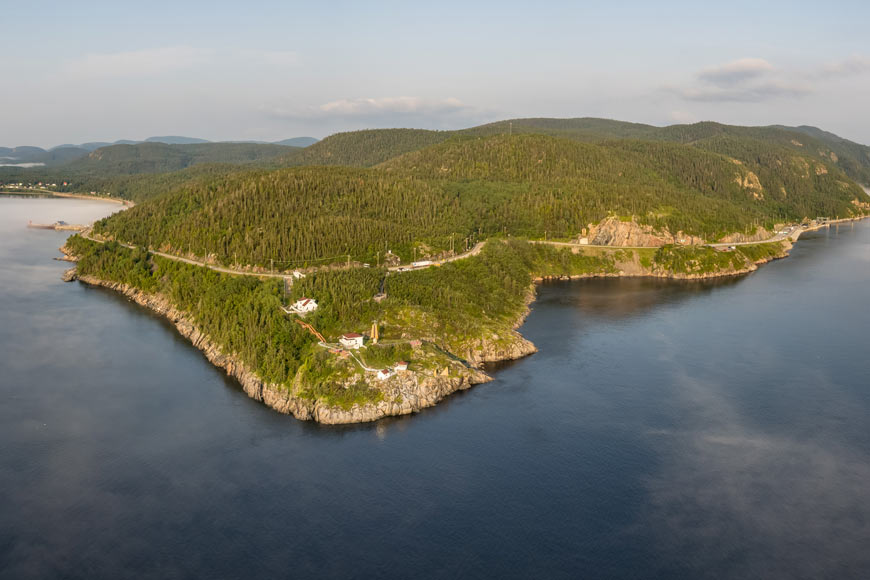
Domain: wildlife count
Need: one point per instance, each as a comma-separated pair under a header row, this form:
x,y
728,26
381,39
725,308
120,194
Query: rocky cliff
x,y
613,231
404,393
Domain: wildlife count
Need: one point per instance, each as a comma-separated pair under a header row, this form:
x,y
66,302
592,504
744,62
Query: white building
x,y
351,340
384,374
401,366
297,274
305,305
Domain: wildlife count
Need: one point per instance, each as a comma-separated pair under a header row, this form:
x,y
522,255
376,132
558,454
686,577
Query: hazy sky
x,y
106,70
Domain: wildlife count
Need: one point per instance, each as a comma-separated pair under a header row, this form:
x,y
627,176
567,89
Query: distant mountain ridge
x,y
69,151
374,146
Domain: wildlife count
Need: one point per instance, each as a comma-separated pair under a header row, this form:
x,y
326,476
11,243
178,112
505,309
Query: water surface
x,y
664,430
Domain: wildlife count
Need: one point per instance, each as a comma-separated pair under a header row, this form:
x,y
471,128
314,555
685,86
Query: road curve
x,y
224,270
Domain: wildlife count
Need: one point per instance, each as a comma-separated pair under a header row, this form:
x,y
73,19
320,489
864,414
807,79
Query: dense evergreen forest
x,y
364,148
368,148
470,188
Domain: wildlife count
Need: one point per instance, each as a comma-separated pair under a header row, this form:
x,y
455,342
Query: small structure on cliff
x,y
384,374
352,340
401,366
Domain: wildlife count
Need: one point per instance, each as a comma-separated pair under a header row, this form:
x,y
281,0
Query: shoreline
x,y
410,394
84,196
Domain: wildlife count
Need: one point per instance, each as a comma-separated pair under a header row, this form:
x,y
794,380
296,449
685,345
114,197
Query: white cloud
x,y
380,111
137,63
746,80
396,105
844,68
747,93
736,71
754,80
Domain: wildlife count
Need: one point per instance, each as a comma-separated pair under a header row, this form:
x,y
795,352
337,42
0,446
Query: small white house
x,y
305,305
384,374
298,275
401,366
351,340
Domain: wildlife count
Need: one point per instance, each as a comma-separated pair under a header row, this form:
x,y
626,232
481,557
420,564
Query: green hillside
x,y
144,170
364,148
154,157
523,185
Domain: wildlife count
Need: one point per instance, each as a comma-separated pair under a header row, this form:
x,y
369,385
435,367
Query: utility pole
x,y
378,258
510,128
451,245
272,265
348,260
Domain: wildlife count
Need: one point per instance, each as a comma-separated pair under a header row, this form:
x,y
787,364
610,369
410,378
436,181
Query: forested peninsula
x,y
384,268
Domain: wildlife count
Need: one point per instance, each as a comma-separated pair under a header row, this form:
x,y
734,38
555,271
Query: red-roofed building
x,y
352,340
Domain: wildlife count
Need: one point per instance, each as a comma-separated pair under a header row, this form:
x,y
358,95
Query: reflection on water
x,y
663,430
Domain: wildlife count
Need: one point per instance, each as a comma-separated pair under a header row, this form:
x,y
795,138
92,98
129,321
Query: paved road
x,y
224,270
576,245
790,233
472,252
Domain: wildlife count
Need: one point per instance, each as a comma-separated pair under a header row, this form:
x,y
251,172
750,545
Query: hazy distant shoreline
x,y
85,196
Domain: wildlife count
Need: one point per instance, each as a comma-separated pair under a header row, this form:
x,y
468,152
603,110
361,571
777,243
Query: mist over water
x,y
664,430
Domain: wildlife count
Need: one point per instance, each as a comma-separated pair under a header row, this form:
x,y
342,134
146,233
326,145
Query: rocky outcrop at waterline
x,y
404,393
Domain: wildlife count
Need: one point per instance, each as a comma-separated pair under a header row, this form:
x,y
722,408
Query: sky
x,y
74,72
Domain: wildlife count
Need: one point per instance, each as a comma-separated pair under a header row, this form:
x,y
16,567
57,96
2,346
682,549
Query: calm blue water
x,y
664,430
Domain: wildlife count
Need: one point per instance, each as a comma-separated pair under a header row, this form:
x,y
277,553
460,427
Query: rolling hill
x,y
523,185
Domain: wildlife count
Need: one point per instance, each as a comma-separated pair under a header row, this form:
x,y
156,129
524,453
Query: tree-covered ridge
x,y
471,188
852,158
126,170
364,148
706,193
296,217
154,157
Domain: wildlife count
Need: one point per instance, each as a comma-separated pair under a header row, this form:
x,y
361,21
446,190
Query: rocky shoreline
x,y
406,393
634,270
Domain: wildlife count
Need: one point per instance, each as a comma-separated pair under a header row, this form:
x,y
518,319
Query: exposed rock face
x,y
760,235
500,348
749,181
614,232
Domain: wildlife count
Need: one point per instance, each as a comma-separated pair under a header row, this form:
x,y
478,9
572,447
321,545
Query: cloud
x,y
852,66
137,63
746,80
736,71
753,93
391,105
384,111
754,80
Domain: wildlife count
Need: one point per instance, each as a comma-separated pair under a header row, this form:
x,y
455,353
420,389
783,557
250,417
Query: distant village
x,y
44,186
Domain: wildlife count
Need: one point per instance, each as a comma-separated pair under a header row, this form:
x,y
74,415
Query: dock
x,y
58,225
